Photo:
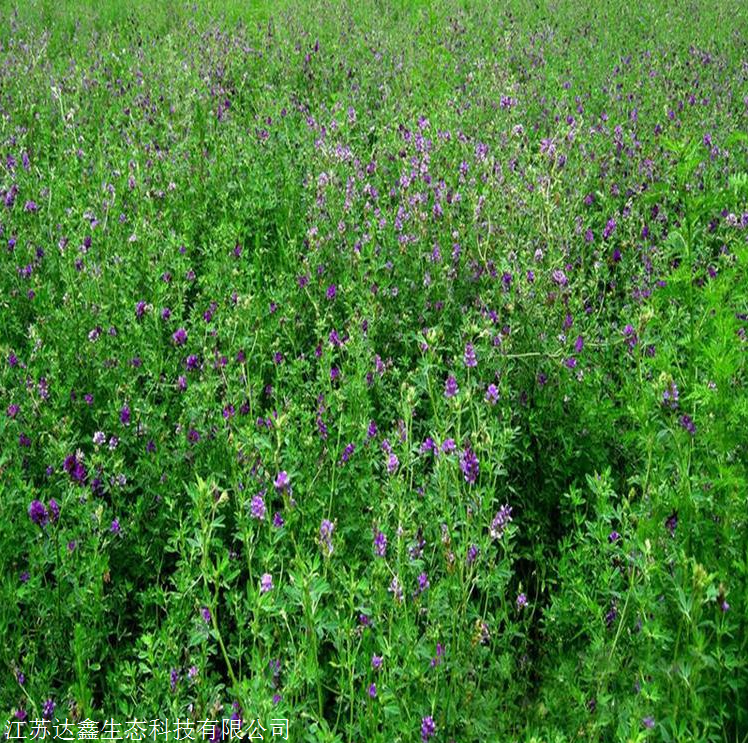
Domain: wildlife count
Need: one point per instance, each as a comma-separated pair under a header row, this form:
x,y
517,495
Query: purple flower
x,y
380,543
266,583
325,536
48,709
347,453
372,430
439,655
12,410
521,601
687,422
428,728
450,387
611,616
470,359
373,691
648,722
38,513
140,309
472,554
392,463
429,446
396,589
500,521
205,614
281,481
99,438
423,583
609,228
124,415
179,337
331,291
115,527
376,662
559,277
629,333
448,446
278,520
258,508
173,678
469,466
492,394
670,396
54,510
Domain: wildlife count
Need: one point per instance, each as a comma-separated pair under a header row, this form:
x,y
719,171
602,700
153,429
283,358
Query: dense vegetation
x,y
378,365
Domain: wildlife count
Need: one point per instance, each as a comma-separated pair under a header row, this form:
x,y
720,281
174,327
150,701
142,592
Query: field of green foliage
x,y
379,367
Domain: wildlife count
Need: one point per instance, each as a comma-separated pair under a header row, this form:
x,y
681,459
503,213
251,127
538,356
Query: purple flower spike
x,y
470,359
502,518
428,728
325,536
257,508
48,709
392,463
609,228
450,387
38,513
380,543
266,583
687,422
469,466
423,583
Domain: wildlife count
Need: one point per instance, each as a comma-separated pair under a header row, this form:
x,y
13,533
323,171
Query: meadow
x,y
377,366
